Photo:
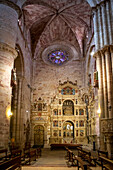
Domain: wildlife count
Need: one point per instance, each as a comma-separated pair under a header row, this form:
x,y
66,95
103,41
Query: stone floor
x,y
53,160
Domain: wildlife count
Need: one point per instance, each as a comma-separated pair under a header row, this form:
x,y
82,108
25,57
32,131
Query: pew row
x,y
63,145
106,163
11,164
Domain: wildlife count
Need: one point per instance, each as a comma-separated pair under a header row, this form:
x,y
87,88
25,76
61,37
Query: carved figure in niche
x,y
55,112
86,99
81,123
13,77
44,107
59,132
81,133
89,79
67,134
35,104
55,133
76,111
64,135
39,106
81,112
76,123
59,111
55,123
59,123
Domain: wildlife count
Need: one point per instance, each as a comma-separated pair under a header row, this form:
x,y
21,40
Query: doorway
x,y
39,136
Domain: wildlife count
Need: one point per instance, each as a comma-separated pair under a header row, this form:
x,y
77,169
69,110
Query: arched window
x,y
68,129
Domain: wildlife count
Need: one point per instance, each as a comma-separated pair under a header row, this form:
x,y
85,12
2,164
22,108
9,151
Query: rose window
x,y
58,57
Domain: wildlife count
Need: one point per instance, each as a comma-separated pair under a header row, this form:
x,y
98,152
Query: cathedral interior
x,y
56,73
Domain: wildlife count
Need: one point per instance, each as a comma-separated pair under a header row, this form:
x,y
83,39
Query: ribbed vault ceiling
x,y
57,20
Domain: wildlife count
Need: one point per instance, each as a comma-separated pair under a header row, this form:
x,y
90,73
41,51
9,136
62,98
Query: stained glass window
x,y
58,57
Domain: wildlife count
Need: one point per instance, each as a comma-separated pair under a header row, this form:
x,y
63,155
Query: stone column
x,y
18,116
96,33
105,32
111,51
8,28
109,80
109,23
104,85
101,96
100,81
14,100
100,27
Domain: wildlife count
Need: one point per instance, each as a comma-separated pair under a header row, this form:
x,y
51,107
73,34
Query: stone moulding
x,y
12,5
6,48
107,125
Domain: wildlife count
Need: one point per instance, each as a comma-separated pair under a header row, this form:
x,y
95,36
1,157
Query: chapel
x,y
56,73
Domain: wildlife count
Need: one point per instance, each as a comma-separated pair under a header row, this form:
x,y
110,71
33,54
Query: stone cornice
x,y
6,48
12,5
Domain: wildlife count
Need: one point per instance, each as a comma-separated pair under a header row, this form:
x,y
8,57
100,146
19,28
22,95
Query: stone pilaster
x,y
18,116
104,85
100,27
100,96
111,51
109,80
96,31
104,21
100,90
109,23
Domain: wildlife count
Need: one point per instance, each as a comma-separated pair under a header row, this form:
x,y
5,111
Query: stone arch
x,y
20,61
68,131
89,61
16,99
92,3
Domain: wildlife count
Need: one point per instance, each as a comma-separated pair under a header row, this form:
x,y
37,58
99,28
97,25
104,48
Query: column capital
x,y
12,5
106,48
97,54
111,48
6,48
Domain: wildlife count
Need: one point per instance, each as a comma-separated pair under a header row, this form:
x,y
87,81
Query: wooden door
x,y
39,135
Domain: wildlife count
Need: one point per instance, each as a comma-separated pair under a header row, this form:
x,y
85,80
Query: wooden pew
x,y
86,155
11,164
106,163
15,153
82,164
38,152
3,155
70,156
28,156
101,153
